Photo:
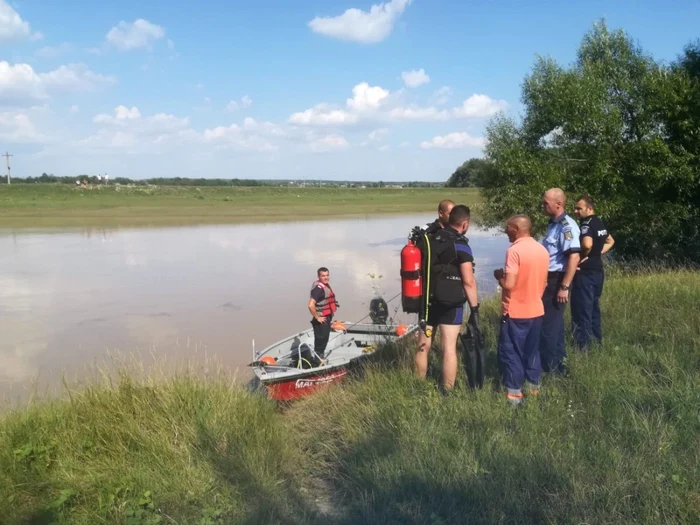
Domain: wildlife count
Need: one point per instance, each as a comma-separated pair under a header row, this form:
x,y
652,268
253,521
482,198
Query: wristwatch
x,y
565,287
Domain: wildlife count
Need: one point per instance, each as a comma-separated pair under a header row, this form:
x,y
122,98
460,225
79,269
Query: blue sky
x,y
335,89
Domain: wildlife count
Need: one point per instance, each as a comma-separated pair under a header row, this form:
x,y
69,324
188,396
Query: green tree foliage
x,y
473,173
617,125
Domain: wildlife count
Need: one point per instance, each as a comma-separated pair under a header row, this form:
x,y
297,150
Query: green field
x,y
64,205
616,442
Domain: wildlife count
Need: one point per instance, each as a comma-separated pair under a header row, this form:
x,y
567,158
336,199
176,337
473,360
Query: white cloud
x,y
442,96
454,141
418,113
16,127
12,27
20,82
139,34
75,77
375,136
362,26
267,128
244,103
374,103
366,97
121,115
415,78
322,115
235,137
404,144
378,134
385,147
127,129
74,109
328,143
479,106
53,51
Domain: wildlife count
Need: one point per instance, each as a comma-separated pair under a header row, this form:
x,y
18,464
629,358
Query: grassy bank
x,y
617,442
63,205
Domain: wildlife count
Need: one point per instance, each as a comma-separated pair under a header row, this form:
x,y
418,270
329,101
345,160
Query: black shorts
x,y
438,315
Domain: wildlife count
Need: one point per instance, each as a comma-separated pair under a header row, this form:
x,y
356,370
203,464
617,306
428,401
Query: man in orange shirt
x,y
523,282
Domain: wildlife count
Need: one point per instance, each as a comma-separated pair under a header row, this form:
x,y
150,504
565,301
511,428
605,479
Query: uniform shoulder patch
x,y
567,235
584,229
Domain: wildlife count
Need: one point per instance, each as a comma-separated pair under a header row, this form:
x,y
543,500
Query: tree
x,y
473,173
609,126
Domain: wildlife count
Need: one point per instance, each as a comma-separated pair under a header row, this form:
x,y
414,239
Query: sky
x,y
285,89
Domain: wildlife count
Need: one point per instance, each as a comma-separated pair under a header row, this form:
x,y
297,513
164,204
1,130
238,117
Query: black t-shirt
x,y
317,294
594,228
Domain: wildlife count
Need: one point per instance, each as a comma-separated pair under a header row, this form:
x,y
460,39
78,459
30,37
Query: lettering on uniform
x,y
602,233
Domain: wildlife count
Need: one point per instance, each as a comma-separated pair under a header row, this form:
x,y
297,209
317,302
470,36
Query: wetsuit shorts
x,y
445,315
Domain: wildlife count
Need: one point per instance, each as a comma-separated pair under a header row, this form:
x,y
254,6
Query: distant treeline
x,y
183,181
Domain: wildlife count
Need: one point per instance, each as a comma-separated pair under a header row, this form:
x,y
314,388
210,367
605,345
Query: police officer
x,y
589,278
563,245
452,284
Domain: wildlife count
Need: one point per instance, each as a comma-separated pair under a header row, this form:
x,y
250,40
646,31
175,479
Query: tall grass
x,y
616,442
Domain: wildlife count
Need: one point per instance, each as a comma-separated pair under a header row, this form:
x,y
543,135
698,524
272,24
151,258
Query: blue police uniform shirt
x,y
561,239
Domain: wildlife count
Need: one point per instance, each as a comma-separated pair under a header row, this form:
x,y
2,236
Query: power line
x,y
7,158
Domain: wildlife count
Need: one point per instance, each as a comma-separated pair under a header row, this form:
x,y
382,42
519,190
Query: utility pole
x,y
7,158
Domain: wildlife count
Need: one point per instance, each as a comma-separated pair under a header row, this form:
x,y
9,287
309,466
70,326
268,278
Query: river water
x,y
71,297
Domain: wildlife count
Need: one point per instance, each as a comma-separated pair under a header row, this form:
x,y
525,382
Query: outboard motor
x,y
378,310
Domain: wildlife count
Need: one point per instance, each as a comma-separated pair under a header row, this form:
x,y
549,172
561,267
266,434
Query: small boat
x,y
290,369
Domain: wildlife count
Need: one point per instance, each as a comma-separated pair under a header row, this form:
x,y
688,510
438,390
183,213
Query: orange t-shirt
x,y
530,261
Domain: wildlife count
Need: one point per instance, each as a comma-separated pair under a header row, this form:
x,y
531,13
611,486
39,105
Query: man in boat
x,y
453,284
522,281
322,305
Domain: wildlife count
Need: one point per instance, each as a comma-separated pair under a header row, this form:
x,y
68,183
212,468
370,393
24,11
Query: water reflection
x,y
68,296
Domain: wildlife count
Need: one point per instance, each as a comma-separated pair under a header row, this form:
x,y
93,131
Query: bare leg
x,y
424,343
448,339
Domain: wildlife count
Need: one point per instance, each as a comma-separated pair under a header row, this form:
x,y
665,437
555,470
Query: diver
x,y
451,272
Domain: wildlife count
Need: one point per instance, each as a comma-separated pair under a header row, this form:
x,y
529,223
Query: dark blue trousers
x,y
552,351
518,352
585,310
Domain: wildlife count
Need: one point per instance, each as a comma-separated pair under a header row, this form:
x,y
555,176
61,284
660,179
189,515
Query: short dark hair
x,y
321,269
588,200
459,214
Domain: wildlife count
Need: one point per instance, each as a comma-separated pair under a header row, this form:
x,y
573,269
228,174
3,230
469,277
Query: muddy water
x,y
70,297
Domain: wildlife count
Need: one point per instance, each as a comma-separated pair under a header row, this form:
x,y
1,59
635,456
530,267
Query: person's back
x,y
530,261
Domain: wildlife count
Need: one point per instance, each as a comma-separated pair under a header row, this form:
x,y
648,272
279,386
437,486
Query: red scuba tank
x,y
411,279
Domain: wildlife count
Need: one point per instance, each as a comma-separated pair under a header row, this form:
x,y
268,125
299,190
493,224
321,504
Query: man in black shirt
x,y
588,281
444,208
